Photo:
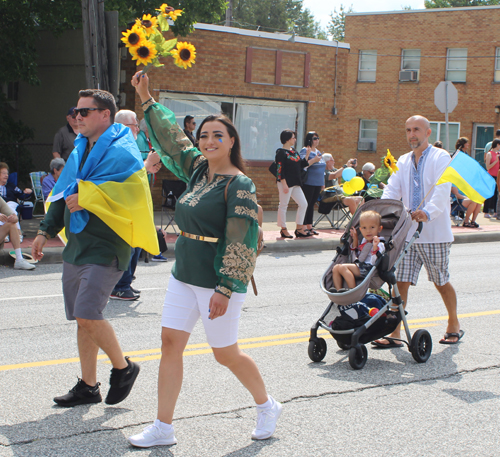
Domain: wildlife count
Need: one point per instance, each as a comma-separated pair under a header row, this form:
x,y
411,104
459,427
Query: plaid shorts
x,y
435,257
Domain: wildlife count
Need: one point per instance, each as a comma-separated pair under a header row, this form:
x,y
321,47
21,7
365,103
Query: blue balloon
x,y
348,174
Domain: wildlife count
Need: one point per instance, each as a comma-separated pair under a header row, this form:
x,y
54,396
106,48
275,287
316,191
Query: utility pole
x,y
94,44
229,14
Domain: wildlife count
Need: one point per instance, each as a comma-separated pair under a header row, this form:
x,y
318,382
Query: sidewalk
x,y
328,239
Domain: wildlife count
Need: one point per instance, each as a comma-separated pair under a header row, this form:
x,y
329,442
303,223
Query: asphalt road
x,y
394,406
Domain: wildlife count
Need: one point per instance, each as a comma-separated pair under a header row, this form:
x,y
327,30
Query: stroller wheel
x,y
421,346
343,346
358,355
317,349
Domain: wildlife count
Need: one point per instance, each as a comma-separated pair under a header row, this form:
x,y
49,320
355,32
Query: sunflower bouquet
x,y
146,43
382,175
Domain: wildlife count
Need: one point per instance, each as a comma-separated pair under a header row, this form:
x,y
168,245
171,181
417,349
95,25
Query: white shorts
x,y
184,304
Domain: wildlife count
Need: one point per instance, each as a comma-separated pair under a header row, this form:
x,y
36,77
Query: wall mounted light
x,y
497,109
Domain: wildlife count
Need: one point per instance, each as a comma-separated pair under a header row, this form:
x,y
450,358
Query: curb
x,y
53,255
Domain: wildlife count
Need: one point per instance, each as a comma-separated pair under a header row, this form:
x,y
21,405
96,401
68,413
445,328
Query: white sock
x,y
19,254
267,404
163,425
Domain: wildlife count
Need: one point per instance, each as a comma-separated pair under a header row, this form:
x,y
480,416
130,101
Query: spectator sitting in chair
x,y
8,220
11,193
56,167
332,175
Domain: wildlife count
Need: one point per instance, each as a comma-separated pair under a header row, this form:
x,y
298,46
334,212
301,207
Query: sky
x,y
321,9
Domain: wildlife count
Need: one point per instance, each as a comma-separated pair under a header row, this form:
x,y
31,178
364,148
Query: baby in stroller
x,y
371,247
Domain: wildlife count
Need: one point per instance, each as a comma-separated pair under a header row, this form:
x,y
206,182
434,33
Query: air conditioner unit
x,y
408,75
366,146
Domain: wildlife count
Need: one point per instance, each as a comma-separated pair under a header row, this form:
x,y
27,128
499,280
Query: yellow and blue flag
x,y
470,177
113,185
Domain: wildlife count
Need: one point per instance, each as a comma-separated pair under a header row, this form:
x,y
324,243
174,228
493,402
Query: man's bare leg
x,y
450,301
403,288
92,335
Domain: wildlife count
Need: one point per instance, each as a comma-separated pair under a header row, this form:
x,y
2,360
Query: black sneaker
x,y
81,394
124,295
121,382
135,291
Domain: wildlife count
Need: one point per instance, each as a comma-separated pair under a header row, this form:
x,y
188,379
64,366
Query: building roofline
x,y
430,10
270,36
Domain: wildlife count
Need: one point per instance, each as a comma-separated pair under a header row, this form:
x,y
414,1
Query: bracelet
x,y
148,100
45,234
344,166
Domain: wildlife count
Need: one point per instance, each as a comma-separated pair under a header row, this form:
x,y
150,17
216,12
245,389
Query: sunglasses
x,y
132,125
315,137
84,112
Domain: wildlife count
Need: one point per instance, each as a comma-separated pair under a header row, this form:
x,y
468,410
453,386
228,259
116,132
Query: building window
x,y
259,122
367,66
367,135
439,133
456,65
410,59
497,65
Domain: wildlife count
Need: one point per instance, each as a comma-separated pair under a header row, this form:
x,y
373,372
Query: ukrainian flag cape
x,y
470,177
113,185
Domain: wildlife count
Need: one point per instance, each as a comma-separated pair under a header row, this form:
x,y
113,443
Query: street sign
x,y
446,100
446,95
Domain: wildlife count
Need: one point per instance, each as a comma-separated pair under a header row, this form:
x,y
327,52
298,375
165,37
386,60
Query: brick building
x,y
265,83
396,61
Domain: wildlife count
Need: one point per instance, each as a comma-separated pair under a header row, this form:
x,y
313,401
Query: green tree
x,y
458,3
336,25
276,16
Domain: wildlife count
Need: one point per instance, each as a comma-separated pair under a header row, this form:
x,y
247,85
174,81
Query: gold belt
x,y
208,239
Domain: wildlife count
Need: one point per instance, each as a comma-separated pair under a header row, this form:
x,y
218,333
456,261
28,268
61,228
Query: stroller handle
x,y
420,227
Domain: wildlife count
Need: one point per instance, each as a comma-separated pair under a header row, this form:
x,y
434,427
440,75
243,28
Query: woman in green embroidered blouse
x,y
215,259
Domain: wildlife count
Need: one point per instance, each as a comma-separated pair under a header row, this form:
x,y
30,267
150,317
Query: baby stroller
x,y
396,222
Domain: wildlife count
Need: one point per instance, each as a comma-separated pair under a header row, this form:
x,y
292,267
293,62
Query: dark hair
x,y
438,144
495,143
187,119
497,133
103,99
286,135
309,138
461,142
235,156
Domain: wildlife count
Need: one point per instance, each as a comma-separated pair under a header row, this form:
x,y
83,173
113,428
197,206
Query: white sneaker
x,y
21,238
7,239
266,421
21,264
153,435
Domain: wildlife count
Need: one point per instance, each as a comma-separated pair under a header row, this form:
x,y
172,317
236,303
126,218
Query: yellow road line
x,y
244,343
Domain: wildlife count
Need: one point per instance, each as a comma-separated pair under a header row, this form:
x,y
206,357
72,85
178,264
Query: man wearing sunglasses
x,y
95,257
65,137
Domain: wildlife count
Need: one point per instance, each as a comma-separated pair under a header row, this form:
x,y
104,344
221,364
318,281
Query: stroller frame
x,y
420,344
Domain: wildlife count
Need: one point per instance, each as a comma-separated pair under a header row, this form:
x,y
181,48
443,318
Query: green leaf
x,y
169,45
163,23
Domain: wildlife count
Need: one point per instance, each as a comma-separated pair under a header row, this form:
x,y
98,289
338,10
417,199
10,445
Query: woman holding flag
x,y
215,259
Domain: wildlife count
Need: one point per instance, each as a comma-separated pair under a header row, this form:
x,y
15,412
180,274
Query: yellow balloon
x,y
348,190
357,183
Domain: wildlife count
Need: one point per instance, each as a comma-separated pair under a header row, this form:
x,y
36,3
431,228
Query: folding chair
x,y
36,182
171,191
457,212
340,214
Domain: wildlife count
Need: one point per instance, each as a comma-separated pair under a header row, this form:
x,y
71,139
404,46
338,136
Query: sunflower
x,y
148,22
175,14
133,37
145,53
165,9
390,162
184,55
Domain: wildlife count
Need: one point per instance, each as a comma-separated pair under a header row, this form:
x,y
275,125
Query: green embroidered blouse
x,y
228,265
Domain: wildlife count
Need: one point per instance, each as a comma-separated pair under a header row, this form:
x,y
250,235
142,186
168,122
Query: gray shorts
x,y
86,289
435,257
